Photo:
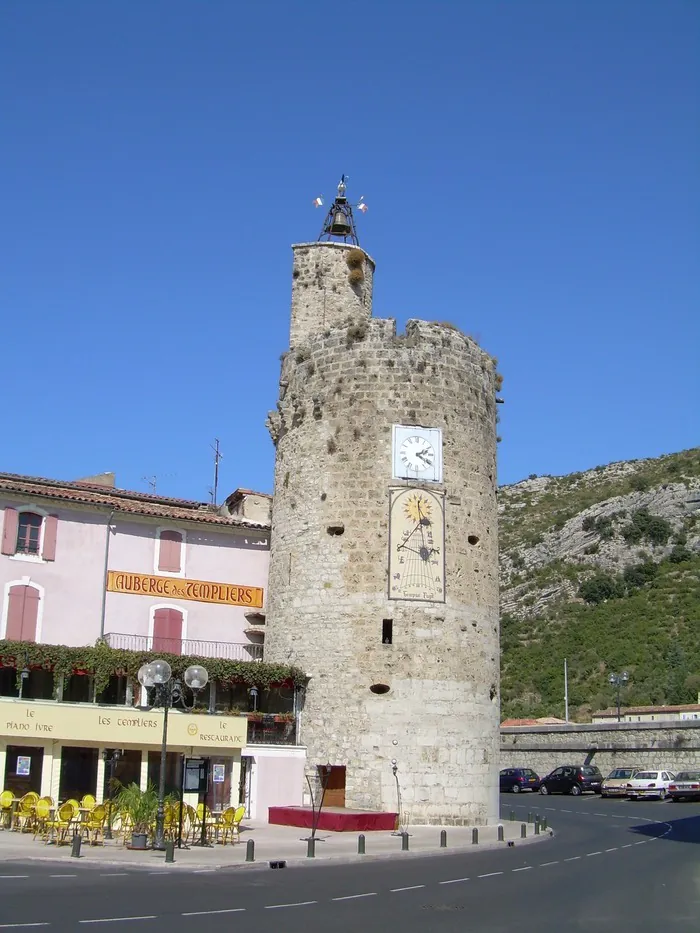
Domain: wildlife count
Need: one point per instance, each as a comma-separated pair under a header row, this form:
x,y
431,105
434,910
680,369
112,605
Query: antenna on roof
x,y
150,481
218,457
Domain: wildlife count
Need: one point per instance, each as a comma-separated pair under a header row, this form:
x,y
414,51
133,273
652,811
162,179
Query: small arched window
x,y
28,533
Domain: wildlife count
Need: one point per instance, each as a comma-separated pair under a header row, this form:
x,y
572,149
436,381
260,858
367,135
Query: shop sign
x,y
219,772
128,725
202,591
24,765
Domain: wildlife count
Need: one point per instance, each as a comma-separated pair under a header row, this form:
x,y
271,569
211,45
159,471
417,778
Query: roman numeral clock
x,y
417,516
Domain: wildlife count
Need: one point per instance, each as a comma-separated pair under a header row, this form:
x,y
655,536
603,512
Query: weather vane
x,y
339,220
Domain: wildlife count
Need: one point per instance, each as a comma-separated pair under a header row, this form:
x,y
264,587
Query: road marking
x,y
612,850
352,897
527,868
411,887
63,876
490,874
202,913
453,881
640,843
114,874
198,871
544,864
298,904
589,854
565,811
14,876
159,873
599,814
7,926
574,858
628,846
119,919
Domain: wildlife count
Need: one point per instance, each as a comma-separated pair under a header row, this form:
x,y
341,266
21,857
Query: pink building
x,y
83,561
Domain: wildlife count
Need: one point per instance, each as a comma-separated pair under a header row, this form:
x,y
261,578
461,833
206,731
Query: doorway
x,y
23,769
78,772
335,788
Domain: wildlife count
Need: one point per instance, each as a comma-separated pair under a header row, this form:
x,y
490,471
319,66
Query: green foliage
x,y
601,587
647,527
638,575
680,554
103,662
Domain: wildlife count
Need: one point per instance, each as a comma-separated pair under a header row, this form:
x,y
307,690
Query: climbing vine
x,y
102,662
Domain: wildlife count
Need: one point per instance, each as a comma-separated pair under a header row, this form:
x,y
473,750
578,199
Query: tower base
x,y
335,819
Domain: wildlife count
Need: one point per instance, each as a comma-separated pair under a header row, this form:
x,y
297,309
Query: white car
x,y
650,784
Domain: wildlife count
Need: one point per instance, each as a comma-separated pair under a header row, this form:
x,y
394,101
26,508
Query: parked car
x,y
572,779
685,786
650,784
517,779
615,784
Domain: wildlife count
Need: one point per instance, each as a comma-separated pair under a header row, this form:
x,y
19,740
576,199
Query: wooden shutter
x,y
167,631
22,613
169,555
50,530
9,531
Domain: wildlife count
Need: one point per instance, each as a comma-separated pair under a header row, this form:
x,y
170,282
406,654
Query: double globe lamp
x,y
158,675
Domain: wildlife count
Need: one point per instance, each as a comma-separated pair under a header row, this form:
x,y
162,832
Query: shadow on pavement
x,y
683,829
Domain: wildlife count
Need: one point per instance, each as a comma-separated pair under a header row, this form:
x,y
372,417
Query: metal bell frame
x,y
339,222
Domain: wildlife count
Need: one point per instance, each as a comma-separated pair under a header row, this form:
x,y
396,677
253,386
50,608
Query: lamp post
x,y
158,674
617,680
111,758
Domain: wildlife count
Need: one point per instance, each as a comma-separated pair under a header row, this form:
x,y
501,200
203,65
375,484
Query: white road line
x,y
453,881
640,843
298,904
490,874
198,871
158,873
627,846
565,811
352,897
119,919
614,849
527,868
599,814
14,876
589,854
63,876
574,858
202,913
544,864
114,874
8,926
411,887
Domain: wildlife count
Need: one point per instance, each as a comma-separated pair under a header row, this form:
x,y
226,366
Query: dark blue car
x,y
514,780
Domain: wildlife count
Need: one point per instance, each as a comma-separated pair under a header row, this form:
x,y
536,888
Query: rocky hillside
x,y
601,568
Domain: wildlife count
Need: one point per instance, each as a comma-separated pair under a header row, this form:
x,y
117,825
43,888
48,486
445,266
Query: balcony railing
x,y
205,649
269,731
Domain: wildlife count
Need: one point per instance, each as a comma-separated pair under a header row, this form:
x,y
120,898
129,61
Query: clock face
x,y
417,453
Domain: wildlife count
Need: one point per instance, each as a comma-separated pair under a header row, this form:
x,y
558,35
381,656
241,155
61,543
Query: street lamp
x,y
159,674
617,680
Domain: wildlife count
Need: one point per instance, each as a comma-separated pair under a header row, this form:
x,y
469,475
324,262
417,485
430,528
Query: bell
x,y
340,225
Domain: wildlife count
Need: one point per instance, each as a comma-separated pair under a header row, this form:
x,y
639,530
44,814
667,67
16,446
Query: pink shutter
x,y
22,613
167,631
170,551
9,531
50,531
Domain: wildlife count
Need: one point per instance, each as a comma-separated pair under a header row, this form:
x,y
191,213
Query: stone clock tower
x,y
383,580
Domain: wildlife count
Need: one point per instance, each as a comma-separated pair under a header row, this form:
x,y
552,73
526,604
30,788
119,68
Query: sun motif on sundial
x,y
417,507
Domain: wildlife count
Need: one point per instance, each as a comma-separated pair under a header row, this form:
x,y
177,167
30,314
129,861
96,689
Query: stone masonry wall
x,y
324,294
675,745
341,389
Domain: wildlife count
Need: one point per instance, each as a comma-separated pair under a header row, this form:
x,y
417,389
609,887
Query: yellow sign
x,y
146,584
117,726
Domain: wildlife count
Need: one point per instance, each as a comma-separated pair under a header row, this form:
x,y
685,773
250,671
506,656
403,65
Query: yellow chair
x,y
42,816
61,824
93,826
237,820
88,802
224,825
6,800
124,825
24,818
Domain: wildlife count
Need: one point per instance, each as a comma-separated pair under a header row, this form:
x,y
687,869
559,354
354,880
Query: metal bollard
x,y
537,829
404,842
500,834
361,844
523,831
544,822
75,848
250,850
537,818
169,850
443,839
311,847
529,817
475,836
512,816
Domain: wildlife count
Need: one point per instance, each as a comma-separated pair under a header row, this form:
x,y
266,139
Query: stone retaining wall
x,y
675,745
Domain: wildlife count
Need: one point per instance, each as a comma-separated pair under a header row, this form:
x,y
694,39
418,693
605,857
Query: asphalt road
x,y
612,865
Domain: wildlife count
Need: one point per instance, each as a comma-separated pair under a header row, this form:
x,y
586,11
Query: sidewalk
x,y
274,843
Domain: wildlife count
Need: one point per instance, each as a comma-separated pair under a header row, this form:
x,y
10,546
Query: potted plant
x,y
141,807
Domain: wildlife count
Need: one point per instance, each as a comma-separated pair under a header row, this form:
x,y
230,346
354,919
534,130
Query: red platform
x,y
334,819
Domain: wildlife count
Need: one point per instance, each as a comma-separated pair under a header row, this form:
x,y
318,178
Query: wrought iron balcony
x,y
205,649
272,730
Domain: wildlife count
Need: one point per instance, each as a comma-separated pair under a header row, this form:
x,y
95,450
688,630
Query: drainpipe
x,y
104,576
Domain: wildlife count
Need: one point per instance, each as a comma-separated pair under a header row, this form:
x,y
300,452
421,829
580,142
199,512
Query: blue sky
x,y
531,172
